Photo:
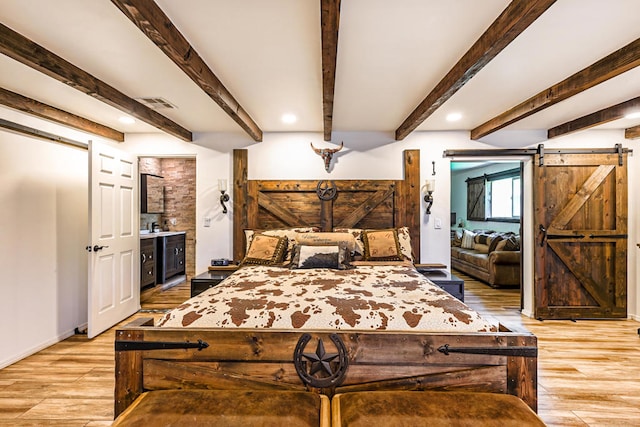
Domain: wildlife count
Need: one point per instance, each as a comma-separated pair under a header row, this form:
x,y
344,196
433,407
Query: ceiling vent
x,y
156,103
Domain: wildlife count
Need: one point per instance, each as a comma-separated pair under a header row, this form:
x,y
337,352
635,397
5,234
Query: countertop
x,y
160,234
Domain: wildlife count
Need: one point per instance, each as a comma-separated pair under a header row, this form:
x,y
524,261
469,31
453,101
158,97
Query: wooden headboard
x,y
260,204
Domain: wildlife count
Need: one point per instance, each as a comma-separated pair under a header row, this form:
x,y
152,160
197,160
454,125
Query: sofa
x,y
489,256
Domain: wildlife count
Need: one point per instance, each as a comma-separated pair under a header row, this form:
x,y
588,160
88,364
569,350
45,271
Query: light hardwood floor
x,y
589,371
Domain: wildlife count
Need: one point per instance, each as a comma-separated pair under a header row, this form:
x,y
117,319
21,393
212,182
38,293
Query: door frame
x,y
526,209
190,156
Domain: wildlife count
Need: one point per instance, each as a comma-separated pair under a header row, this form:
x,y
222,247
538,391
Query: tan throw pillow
x,y
480,248
500,246
326,239
357,235
289,233
266,250
381,245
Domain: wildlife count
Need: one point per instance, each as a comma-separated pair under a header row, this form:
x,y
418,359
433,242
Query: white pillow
x,y
467,239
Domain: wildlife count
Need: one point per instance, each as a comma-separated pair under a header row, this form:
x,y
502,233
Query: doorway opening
x,y
178,215
486,221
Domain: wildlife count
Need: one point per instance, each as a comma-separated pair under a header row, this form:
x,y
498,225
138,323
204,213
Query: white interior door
x,y
114,267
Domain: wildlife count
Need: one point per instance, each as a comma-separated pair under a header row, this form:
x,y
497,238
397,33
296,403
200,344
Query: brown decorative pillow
x,y
493,241
289,233
513,243
381,245
500,245
403,237
266,250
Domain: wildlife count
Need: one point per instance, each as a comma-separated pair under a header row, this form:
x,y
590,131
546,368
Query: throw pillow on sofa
x,y
467,239
513,243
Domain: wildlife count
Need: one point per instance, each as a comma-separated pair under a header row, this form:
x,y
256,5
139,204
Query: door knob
x,y
97,248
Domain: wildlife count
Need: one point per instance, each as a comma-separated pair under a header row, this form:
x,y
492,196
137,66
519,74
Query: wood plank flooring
x,y
589,371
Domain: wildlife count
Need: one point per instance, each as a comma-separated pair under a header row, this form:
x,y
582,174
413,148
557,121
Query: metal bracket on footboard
x,y
156,345
492,351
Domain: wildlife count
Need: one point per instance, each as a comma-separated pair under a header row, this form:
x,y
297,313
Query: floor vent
x,y
156,103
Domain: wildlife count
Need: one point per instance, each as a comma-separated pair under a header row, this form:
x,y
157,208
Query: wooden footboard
x,y
151,358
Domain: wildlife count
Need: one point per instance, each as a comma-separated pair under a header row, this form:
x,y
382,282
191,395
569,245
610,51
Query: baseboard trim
x,y
33,350
527,313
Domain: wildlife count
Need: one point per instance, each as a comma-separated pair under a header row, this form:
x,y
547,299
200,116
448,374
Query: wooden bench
x,y
431,408
301,408
226,408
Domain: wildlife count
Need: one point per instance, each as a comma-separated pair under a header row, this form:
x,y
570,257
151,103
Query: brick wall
x,y
180,203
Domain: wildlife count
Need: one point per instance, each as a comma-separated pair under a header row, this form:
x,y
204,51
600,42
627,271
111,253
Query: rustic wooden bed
x,y
159,358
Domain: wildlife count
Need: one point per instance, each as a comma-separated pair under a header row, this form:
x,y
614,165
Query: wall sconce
x,y
429,187
224,197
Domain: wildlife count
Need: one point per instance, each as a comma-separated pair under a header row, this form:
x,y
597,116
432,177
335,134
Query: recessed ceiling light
x,y
634,115
127,120
454,117
289,118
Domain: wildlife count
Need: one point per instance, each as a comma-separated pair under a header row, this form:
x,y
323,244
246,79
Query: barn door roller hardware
x,y
540,150
158,345
617,149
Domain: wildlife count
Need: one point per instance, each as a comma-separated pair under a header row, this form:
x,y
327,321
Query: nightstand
x,y
211,278
445,280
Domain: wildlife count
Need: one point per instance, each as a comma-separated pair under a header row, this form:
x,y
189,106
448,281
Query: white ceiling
x,y
268,54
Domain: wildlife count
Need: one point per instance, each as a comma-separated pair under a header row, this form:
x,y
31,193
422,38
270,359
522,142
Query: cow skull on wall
x,y
327,154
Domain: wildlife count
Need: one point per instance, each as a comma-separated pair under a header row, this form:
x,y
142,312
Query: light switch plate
x,y
437,224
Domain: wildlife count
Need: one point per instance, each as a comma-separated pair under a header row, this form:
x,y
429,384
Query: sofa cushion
x,y
475,258
456,251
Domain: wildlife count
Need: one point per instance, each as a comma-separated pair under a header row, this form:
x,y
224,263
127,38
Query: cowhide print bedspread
x,y
387,297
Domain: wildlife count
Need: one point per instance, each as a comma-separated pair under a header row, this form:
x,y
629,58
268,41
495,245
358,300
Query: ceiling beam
x,y
517,16
632,133
605,115
31,54
608,67
45,111
330,23
153,22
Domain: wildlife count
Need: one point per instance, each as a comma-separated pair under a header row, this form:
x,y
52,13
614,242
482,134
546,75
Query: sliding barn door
x,y
581,247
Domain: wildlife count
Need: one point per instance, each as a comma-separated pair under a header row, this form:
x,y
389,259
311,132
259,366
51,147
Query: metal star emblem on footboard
x,y
326,369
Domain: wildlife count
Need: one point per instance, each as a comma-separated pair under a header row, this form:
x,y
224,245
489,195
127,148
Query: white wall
x,y
43,214
371,155
44,229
